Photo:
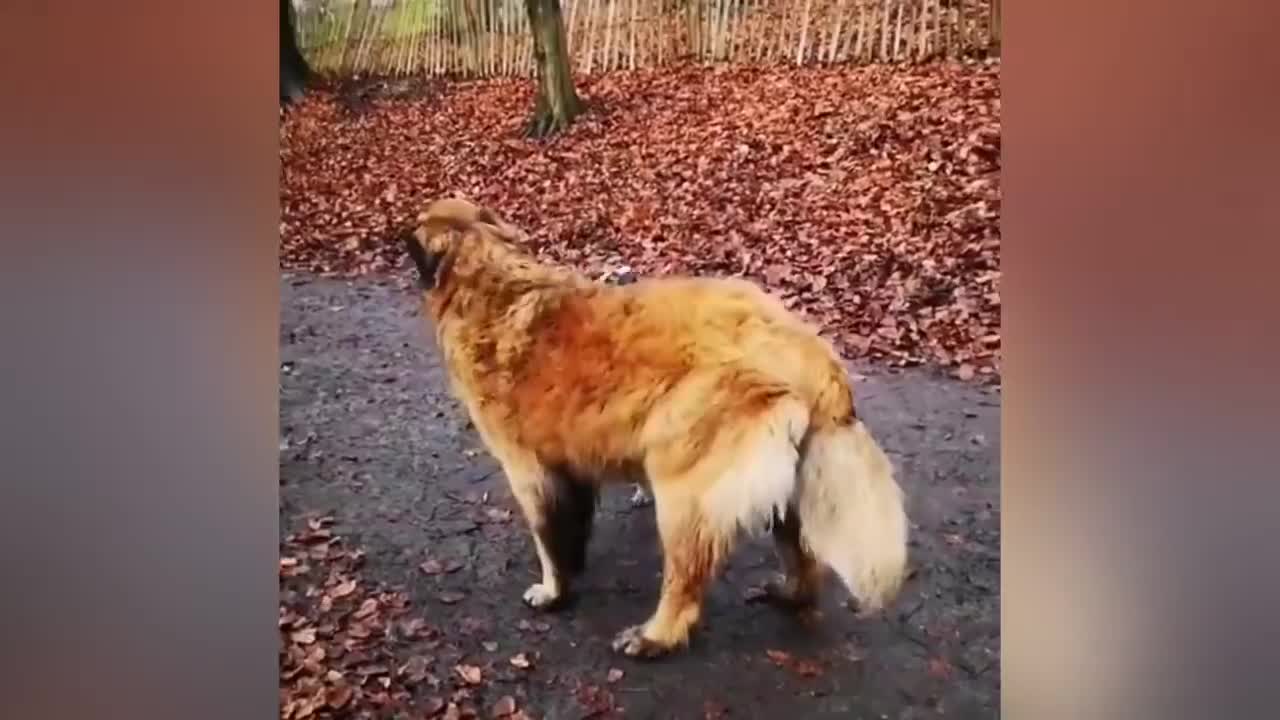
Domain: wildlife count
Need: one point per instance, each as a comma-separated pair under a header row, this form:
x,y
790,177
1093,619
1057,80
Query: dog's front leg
x,y
559,513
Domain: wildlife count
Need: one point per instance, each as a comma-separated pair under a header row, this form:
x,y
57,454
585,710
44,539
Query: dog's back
x,y
604,373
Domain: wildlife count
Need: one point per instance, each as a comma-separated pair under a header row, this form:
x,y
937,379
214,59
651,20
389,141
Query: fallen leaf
x,y
470,674
308,707
416,669
779,658
521,660
614,675
505,706
432,705
343,589
367,608
317,523
414,627
808,668
432,567
594,699
940,668
338,697
305,636
450,598
489,646
452,712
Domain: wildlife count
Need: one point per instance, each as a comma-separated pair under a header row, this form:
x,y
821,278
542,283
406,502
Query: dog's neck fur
x,y
483,277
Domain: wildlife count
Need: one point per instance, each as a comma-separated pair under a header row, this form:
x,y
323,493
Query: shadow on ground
x,y
370,435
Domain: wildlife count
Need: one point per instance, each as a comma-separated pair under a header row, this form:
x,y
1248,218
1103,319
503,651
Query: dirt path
x,y
371,436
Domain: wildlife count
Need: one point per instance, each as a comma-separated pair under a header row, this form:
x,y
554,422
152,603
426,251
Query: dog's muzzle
x,y
427,263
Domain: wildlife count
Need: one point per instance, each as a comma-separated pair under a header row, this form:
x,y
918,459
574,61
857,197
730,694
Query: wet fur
x,y
707,390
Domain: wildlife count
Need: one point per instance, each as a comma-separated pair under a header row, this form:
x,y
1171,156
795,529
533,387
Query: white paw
x,y
540,596
640,498
632,643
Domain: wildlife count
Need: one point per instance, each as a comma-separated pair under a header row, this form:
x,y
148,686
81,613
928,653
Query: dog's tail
x,y
851,508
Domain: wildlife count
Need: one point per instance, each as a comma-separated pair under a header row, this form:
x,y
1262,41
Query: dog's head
x,y
435,241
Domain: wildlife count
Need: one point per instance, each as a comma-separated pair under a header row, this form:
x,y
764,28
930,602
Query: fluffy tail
x,y
851,512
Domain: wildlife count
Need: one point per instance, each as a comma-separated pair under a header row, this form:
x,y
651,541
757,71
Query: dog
x,y
737,415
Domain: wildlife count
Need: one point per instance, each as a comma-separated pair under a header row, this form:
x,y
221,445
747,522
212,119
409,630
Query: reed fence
x,y
484,38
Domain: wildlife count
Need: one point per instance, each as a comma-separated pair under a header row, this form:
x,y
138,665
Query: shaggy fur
x,y
738,417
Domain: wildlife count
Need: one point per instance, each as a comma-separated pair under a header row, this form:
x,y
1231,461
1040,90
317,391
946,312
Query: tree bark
x,y
294,70
558,102
993,32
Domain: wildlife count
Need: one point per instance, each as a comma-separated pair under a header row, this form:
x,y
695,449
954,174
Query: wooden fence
x,y
482,38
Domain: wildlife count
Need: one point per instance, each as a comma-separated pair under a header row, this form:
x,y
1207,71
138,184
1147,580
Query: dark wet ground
x,y
371,436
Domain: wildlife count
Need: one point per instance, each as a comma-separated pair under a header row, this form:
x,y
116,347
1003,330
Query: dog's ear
x,y
499,227
430,242
451,214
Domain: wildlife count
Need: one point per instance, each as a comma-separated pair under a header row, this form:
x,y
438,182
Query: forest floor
x,y
868,197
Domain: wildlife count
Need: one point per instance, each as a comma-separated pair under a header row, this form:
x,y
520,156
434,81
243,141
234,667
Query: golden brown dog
x,y
737,414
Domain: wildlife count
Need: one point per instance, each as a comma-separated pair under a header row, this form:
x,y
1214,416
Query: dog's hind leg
x,y
558,510
692,552
704,500
799,585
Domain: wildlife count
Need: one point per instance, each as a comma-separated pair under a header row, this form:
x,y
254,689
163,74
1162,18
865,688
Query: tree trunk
x,y
993,31
294,70
558,102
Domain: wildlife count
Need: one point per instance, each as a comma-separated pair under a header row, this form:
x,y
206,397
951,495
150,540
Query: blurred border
x,y
1141,201
140,412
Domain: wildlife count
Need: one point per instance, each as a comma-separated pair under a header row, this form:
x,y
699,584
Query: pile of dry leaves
x,y
869,198
352,650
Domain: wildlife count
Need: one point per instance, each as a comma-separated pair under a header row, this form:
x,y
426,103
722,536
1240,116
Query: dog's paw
x,y
632,643
541,597
640,498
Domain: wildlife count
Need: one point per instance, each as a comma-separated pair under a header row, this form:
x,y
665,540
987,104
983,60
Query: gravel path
x,y
370,435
